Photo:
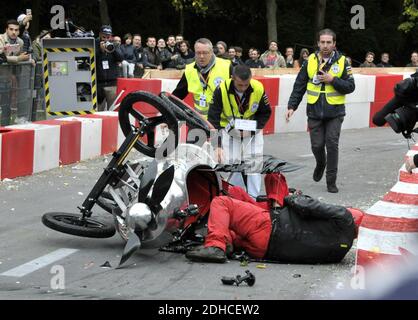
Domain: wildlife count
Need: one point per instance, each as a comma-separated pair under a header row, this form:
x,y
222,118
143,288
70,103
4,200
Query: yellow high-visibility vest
x,y
203,96
230,107
314,90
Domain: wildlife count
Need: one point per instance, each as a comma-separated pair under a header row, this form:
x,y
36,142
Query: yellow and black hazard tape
x,y
46,79
68,50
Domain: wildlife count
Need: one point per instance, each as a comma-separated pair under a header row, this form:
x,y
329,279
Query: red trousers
x,y
240,223
240,220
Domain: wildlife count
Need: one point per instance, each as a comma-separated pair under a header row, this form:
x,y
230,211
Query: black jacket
x,y
321,109
216,106
165,57
308,231
128,53
255,63
107,59
152,58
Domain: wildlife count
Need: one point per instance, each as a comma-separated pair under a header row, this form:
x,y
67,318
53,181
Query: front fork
x,y
113,169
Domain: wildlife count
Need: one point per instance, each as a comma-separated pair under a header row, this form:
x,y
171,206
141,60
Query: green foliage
x,y
199,6
410,11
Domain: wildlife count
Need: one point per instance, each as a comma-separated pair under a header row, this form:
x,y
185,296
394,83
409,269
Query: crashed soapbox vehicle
x,y
158,200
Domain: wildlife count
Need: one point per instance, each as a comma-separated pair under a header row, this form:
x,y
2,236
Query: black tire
x,y
185,113
68,223
167,116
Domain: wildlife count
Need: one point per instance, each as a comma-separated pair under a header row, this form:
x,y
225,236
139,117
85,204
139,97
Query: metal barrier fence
x,y
21,93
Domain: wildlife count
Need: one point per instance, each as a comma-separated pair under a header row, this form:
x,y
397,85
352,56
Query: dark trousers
x,y
325,136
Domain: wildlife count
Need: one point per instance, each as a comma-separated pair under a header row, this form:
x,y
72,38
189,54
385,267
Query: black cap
x,y
106,29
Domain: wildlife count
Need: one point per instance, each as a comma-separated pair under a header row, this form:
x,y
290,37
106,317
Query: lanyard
x,y
238,100
240,103
230,102
204,82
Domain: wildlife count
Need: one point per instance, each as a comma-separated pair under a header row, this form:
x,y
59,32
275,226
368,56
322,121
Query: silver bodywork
x,y
187,158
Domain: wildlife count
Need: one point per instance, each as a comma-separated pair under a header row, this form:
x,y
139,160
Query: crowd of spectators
x,y
173,52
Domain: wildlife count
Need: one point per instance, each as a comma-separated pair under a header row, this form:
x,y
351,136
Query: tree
x,y
104,12
321,6
198,6
271,17
411,12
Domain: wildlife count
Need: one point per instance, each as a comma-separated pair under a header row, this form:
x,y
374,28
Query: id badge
x,y
202,101
315,80
105,64
246,125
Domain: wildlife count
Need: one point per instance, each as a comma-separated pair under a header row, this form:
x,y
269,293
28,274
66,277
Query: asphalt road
x,y
369,164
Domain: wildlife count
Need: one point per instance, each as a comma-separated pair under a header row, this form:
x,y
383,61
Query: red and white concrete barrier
x,y
46,144
389,229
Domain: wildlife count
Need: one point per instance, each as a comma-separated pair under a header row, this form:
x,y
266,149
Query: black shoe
x,y
332,188
229,251
206,254
318,172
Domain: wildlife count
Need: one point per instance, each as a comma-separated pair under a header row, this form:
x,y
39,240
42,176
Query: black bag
x,y
308,231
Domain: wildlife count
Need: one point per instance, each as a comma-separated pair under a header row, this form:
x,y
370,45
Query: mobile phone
x,y
28,12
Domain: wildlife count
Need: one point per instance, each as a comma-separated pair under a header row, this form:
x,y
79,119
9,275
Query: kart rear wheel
x,y
72,224
147,125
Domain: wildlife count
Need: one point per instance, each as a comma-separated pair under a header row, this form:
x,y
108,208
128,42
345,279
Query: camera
x,y
401,112
110,46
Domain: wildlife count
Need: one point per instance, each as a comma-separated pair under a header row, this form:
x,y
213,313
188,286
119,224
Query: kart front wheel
x,y
73,224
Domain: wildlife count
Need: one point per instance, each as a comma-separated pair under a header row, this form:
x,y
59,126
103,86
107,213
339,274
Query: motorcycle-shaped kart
x,y
156,202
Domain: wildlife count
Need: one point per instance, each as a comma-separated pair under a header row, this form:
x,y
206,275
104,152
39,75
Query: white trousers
x,y
236,150
128,69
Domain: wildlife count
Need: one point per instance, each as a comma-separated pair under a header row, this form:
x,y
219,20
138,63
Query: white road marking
x,y
38,263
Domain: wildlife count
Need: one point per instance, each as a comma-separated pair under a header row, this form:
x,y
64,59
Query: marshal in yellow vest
x,y
218,73
229,111
314,90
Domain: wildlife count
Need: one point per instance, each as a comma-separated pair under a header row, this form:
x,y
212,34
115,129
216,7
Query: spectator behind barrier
x,y
36,45
151,56
272,58
128,56
24,24
186,55
368,63
254,61
169,55
11,45
139,55
414,60
384,61
303,57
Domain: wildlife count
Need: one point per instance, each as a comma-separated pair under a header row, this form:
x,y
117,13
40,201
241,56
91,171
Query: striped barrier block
x,y
46,144
389,230
298,122
16,153
357,115
91,136
70,139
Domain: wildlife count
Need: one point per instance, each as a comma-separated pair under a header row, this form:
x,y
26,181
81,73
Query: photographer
x,y
107,59
401,111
